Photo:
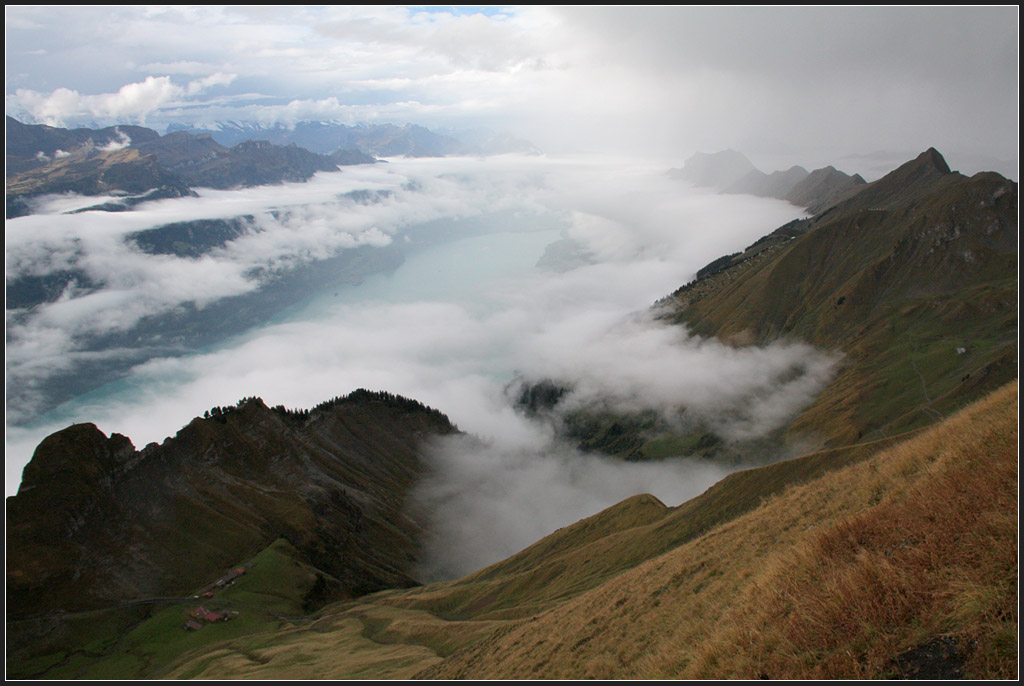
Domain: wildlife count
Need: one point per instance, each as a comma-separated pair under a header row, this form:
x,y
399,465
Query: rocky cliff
x,y
97,523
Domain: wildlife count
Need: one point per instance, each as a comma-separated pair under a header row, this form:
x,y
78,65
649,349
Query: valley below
x,y
594,436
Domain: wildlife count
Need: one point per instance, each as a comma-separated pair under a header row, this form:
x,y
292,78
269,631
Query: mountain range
x,y
913,277
380,140
888,550
731,172
138,164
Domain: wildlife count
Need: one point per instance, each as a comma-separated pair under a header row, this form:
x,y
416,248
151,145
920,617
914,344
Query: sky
x,y
853,86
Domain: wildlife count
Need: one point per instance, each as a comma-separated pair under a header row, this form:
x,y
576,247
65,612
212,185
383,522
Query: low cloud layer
x,y
450,328
638,364
317,221
488,500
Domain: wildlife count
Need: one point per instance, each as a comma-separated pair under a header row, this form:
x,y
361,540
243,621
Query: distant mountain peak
x,y
717,170
932,158
911,178
731,172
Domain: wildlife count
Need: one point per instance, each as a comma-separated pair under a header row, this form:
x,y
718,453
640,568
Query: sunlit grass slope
x,y
834,578
828,566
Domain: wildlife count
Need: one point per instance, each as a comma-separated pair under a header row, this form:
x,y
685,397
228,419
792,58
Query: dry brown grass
x,y
334,649
935,558
830,579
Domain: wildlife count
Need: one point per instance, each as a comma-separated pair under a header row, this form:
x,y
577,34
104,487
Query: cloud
x,y
451,327
52,109
650,243
218,79
639,364
189,67
663,80
487,501
132,102
319,222
122,142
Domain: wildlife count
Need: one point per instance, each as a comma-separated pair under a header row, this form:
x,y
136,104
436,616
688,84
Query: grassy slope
x,y
135,642
911,279
807,568
833,578
898,277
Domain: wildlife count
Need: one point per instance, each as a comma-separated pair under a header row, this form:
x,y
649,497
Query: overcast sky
x,y
784,85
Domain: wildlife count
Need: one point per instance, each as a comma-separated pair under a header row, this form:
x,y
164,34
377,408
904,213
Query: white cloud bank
x,y
132,102
449,328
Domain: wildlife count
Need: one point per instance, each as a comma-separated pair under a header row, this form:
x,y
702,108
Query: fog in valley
x,y
513,267
457,280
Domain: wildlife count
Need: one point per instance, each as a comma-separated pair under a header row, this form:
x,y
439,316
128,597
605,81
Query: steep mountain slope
x,y
913,278
836,565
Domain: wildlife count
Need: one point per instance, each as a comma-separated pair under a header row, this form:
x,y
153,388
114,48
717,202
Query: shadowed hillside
x,y
97,524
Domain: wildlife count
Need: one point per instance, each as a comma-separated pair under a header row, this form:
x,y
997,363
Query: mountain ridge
x,y
911,279
383,140
140,164
44,159
243,476
903,262
731,172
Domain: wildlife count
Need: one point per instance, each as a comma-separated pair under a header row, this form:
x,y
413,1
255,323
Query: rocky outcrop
x,y
96,522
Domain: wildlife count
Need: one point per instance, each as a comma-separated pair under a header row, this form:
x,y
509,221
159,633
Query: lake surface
x,y
460,271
